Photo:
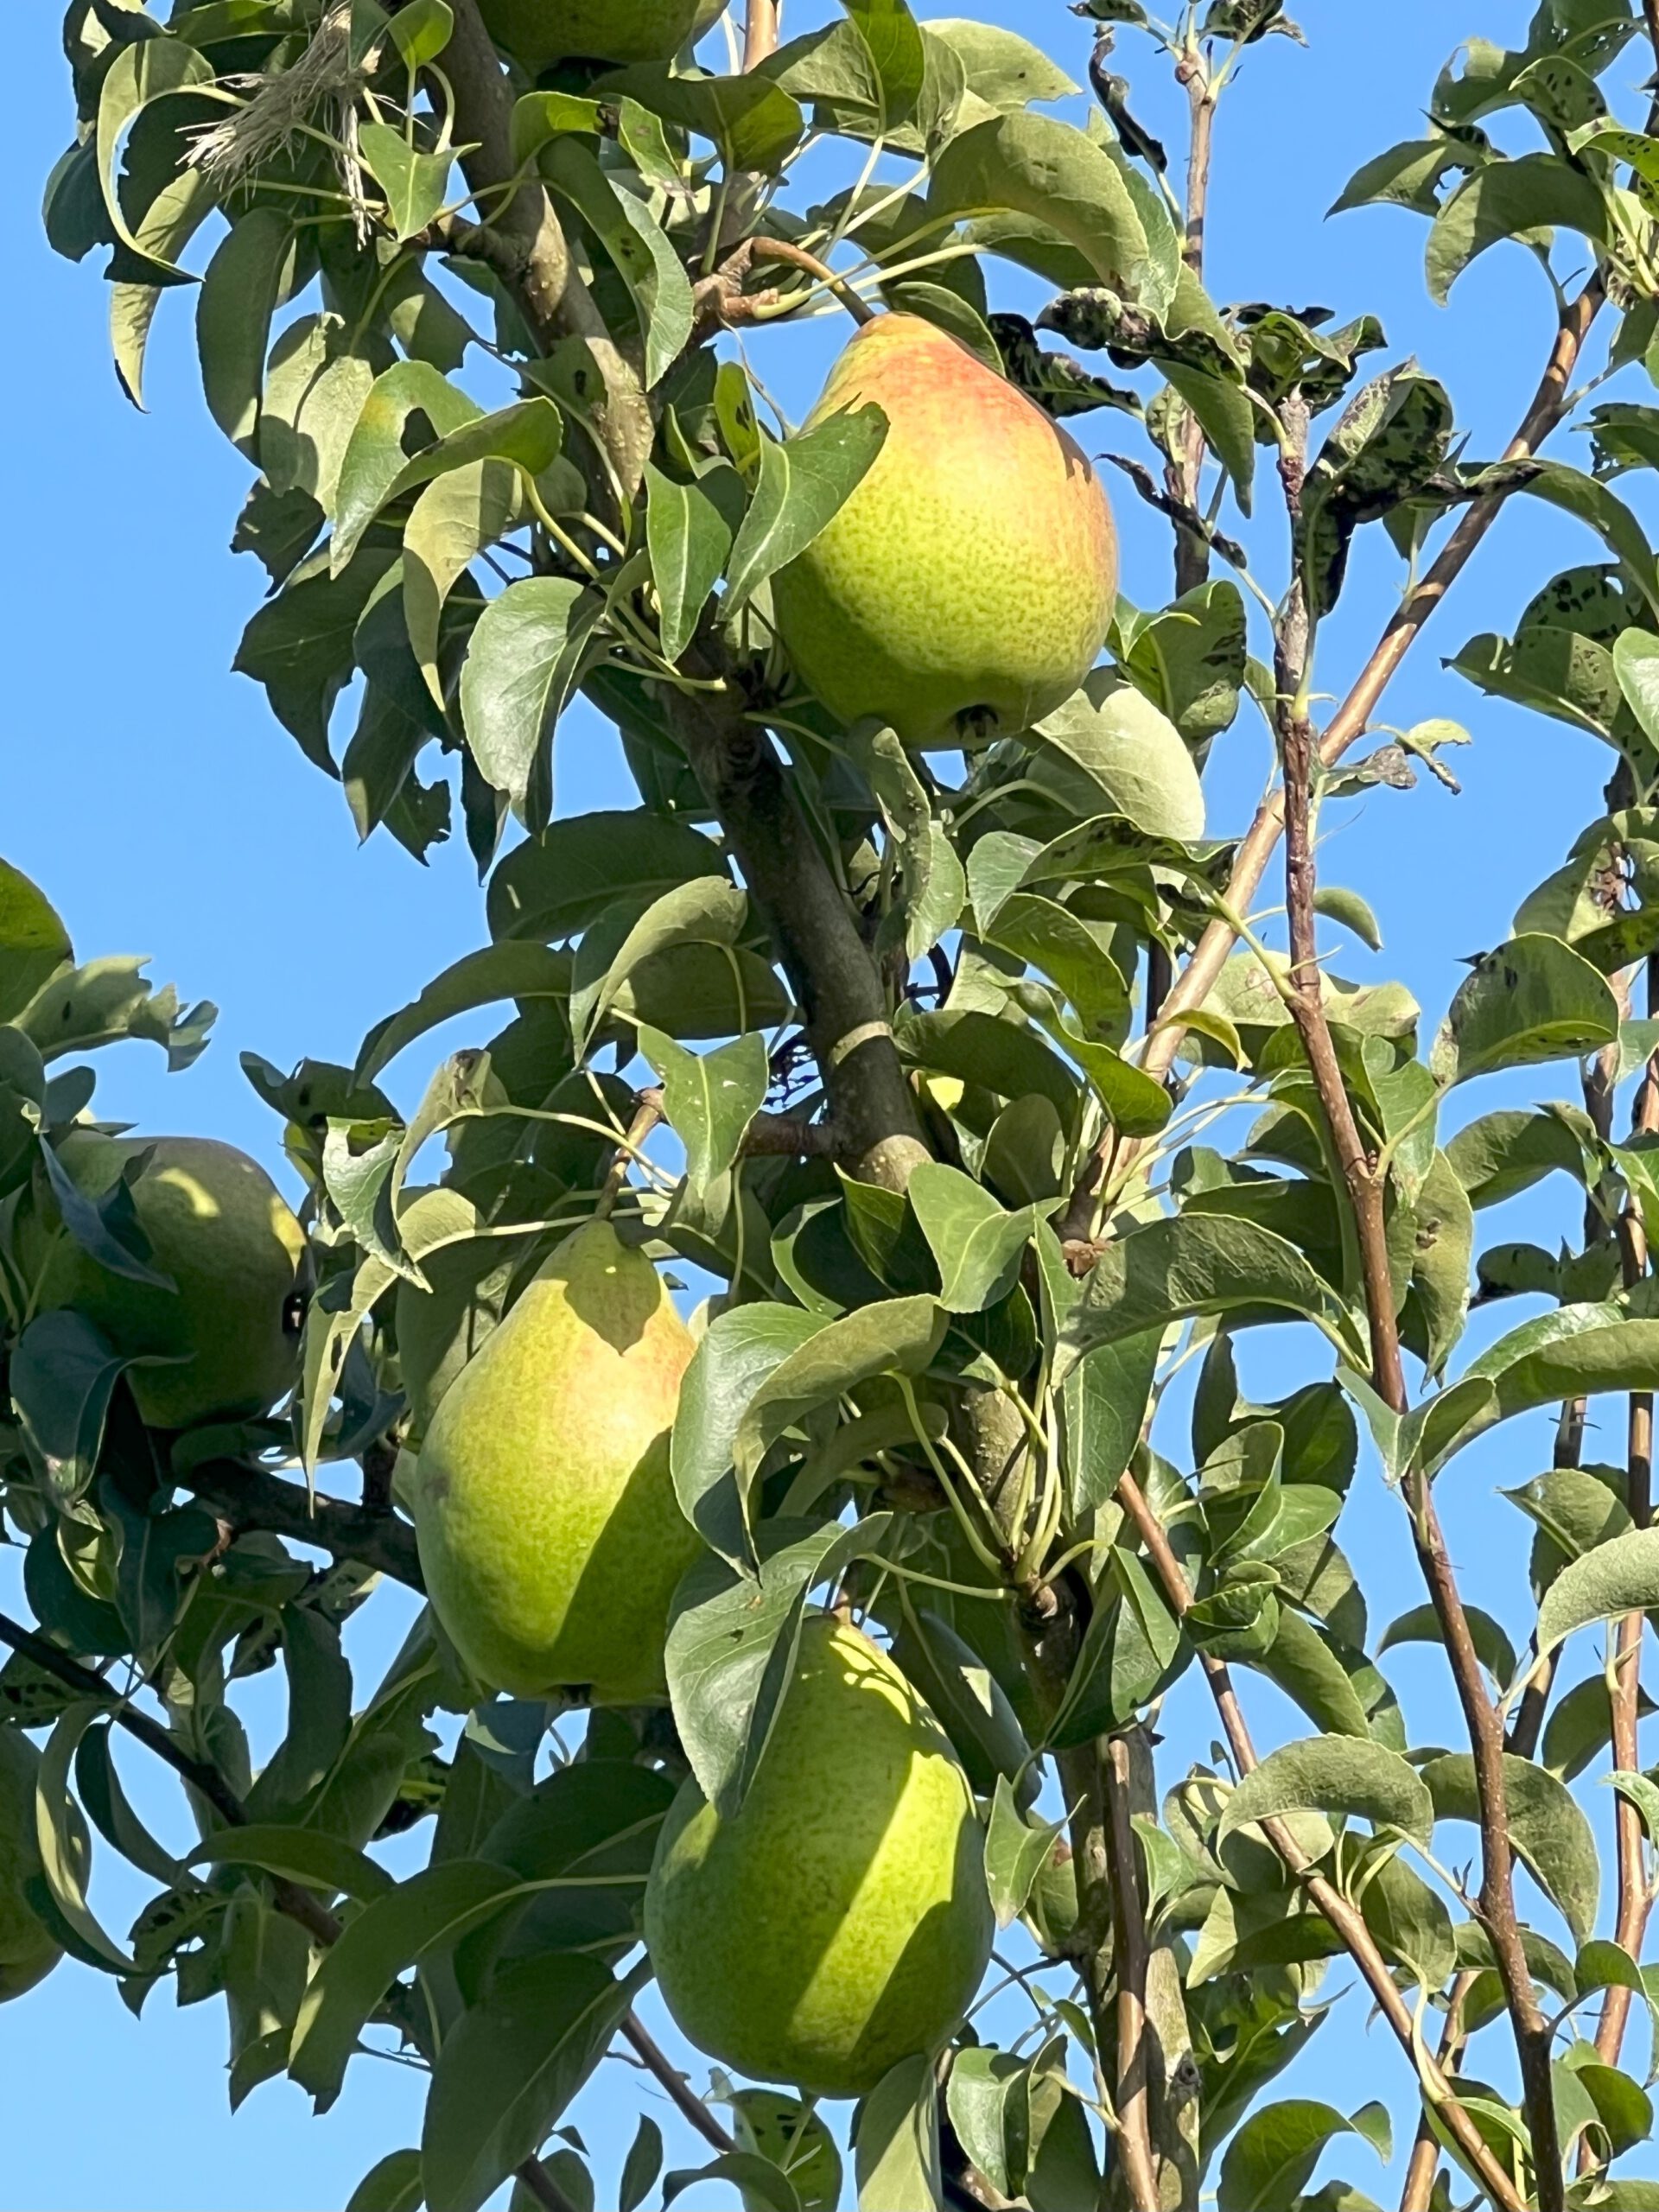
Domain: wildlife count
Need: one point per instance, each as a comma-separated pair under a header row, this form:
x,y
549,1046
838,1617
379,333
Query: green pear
x,y
965,588
550,1537
219,1227
540,32
838,1922
28,1953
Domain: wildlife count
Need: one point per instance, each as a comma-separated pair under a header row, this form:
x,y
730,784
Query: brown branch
x,y
681,2095
836,983
1132,1961
1634,1901
247,1498
1351,718
761,25
798,257
1365,1190
527,245
1348,1923
1192,550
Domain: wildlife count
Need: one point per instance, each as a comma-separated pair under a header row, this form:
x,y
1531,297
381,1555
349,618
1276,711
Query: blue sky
x,y
150,793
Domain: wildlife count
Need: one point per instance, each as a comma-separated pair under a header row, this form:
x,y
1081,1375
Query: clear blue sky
x,y
150,793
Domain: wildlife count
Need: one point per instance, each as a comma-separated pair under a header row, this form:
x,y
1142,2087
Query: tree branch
x,y
1133,1959
762,26
1348,723
835,979
1345,1918
681,2095
1191,549
528,247
247,1498
1365,1190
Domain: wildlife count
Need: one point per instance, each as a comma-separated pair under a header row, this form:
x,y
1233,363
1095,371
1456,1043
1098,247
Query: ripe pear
x,y
550,1538
540,32
219,1228
839,1921
28,1953
964,589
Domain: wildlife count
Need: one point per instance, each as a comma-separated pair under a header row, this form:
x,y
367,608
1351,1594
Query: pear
x,y
838,1922
540,32
219,1227
550,1538
28,1953
964,589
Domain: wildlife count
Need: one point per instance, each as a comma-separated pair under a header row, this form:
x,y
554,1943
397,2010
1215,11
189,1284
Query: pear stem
x,y
798,257
648,1112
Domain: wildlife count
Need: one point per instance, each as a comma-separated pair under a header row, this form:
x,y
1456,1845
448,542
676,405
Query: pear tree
x,y
792,1352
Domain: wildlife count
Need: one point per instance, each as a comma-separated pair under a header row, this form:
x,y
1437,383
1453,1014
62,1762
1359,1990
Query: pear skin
x,y
27,1953
219,1228
550,1538
540,32
839,1921
965,588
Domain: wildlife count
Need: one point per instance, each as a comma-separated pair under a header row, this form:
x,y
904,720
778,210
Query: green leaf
x,y
752,120
510,970
1273,2156
1503,1154
1201,1264
1532,999
239,291
526,657
708,910
34,943
638,249
1035,166
641,2166
374,459
1110,749
688,535
539,118
735,1355
732,1646
786,2130
1006,71
1511,199
63,1376
65,1846
299,1854
1575,1352
898,1337
975,1245
414,183
509,2066
316,383
555,885
421,30
761,2183
802,484
1546,1828
1352,911
430,1912
710,1098
392,2185
897,55
1014,1853
1618,1577
454,519
141,73
1334,1774
1421,1626
896,2148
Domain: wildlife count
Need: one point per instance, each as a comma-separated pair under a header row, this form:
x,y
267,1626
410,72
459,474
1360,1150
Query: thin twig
x,y
647,1113
1635,1900
1345,1918
1132,1960
1192,549
681,2095
798,257
1351,718
1366,1191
